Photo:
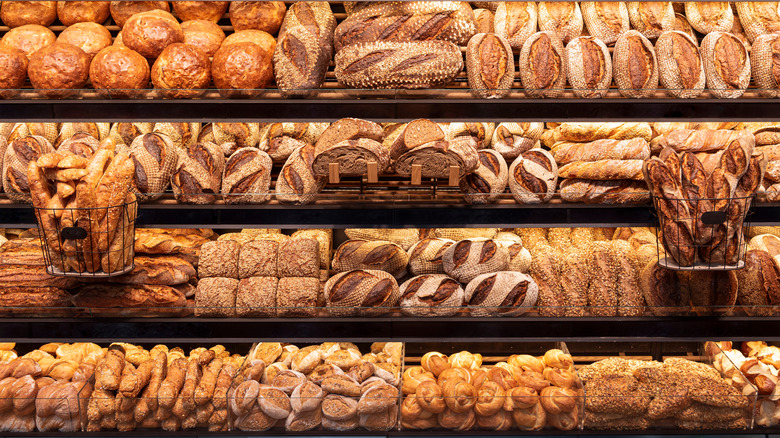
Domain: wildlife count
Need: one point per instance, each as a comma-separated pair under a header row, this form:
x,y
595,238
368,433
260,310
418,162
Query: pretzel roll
x,y
726,65
122,11
488,182
58,70
606,21
634,65
211,11
149,33
515,22
378,255
758,18
651,18
435,362
155,160
29,38
765,49
19,13
181,71
361,292
260,15
681,70
119,72
542,65
18,155
89,37
203,34
431,295
589,67
470,258
504,293
533,177
247,177
13,71
72,12
563,18
708,17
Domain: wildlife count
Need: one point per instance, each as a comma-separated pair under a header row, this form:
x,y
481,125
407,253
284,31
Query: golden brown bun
x,y
122,11
15,14
149,33
13,71
29,38
266,16
58,69
120,70
203,34
183,69
87,36
242,69
259,37
72,12
211,11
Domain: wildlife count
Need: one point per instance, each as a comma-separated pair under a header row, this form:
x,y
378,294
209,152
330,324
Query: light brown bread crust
x,y
635,66
543,65
588,67
490,66
726,65
682,73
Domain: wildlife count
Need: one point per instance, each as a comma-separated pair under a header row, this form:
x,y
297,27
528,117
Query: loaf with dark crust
x,y
352,156
267,16
713,292
361,292
149,33
29,38
155,159
297,183
425,257
503,293
14,71
129,300
663,292
247,177
726,65
198,177
490,66
588,67
533,177
431,295
635,67
488,182
759,284
35,301
681,70
198,10
542,65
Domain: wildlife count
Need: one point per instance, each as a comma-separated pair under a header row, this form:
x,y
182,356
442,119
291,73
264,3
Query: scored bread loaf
x,y
603,170
758,18
726,65
651,18
247,177
390,64
633,149
182,135
695,140
164,270
279,140
504,293
511,139
490,66
99,131
542,65
606,20
304,49
361,292
604,192
584,132
233,136
469,258
519,256
681,23
588,67
297,183
481,132
436,158
563,18
515,22
155,159
18,155
411,135
765,49
533,177
374,255
425,256
125,133
635,65
759,284
708,17
488,182
663,292
431,295
682,73
485,20
46,130
403,237
80,144
198,177
352,156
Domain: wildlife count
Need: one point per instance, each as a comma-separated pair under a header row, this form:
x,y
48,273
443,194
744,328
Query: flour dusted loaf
x,y
681,69
279,140
603,170
563,18
485,19
490,66
765,49
18,155
515,22
155,159
375,255
232,136
469,258
297,183
588,67
361,292
651,18
726,64
163,270
387,64
511,139
533,177
708,17
758,18
585,132
504,293
403,237
481,132
247,177
604,191
606,20
431,295
436,158
542,65
488,181
635,66
425,257
198,177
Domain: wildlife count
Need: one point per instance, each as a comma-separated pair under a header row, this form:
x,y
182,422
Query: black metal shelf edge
x,y
458,329
390,109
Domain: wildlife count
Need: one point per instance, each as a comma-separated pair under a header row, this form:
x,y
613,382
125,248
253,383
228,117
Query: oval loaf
x,y
726,65
681,70
490,65
588,67
361,292
504,293
469,258
634,66
431,295
542,65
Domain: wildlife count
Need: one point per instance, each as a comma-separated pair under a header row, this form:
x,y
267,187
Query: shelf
x,y
407,329
760,433
390,109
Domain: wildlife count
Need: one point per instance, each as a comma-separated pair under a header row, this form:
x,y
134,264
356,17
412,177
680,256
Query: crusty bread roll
x,y
29,38
563,18
149,33
469,258
13,71
260,15
19,13
119,72
485,19
488,182
87,36
431,295
515,22
211,11
72,12
533,177
425,256
512,139
58,70
297,183
181,71
504,293
606,20
361,292
241,70
155,160
122,11
588,67
765,49
542,65
259,37
377,255
681,70
247,177
651,18
203,34
634,65
726,65
490,66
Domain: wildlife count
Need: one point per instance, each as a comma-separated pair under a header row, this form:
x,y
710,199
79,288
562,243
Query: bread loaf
x,y
651,18
241,70
70,13
604,192
512,139
630,299
713,292
437,157
352,156
726,65
490,66
361,292
105,74
606,21
155,160
181,71
164,270
542,65
681,23
378,255
14,72
386,64
758,18
233,136
149,33
481,132
635,67
122,11
574,280
204,34
403,237
279,140
682,74
603,170
299,257
708,17
431,295
97,131
216,297
297,296
89,37
563,18
17,157
758,284
267,16
247,177
35,301
585,132
488,182
516,22
305,48
129,300
297,183
425,257
695,140
604,271
470,258
198,177
15,14
325,240
545,270
533,177
59,69
256,296
503,293
348,129
634,149
197,10
485,20
219,259
588,67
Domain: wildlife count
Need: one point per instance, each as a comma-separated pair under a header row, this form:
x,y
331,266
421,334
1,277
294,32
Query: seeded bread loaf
x,y
256,296
376,255
504,293
681,23
515,22
681,70
297,296
533,177
545,270
488,181
258,258
216,297
588,67
469,258
361,292
247,177
485,19
512,139
606,20
726,65
299,257
219,259
431,295
543,65
411,135
563,18
634,65
490,66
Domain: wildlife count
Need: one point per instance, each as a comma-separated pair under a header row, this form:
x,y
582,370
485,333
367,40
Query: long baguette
x,y
634,149
693,140
603,170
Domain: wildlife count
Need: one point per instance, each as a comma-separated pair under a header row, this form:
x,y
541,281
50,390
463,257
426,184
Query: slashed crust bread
x,y
651,18
543,65
635,66
765,64
681,70
588,67
606,20
563,18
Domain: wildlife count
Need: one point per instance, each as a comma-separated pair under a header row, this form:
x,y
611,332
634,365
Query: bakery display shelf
x,y
407,329
763,433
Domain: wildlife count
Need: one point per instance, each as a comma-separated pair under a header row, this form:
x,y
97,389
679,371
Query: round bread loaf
x,y
87,36
542,65
533,177
58,70
242,70
259,37
431,295
712,292
376,255
457,234
488,182
155,160
765,49
81,144
588,67
247,177
211,11
361,292
297,183
198,177
726,65
708,17
149,33
634,66
98,131
663,292
515,22
563,18
183,134
511,139
469,258
759,284
13,71
29,38
18,13
265,16
119,72
651,18
425,256
48,131
72,12
403,237
18,155
519,257
485,20
203,34
182,72
505,293
122,11
606,20
234,136
681,70
490,66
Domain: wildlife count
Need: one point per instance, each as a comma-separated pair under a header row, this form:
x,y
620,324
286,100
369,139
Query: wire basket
x,y
88,242
702,234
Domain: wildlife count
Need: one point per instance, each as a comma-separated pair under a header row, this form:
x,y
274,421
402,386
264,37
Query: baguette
x,y
542,65
588,67
694,140
603,170
563,18
604,192
633,149
726,65
681,71
585,132
635,66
